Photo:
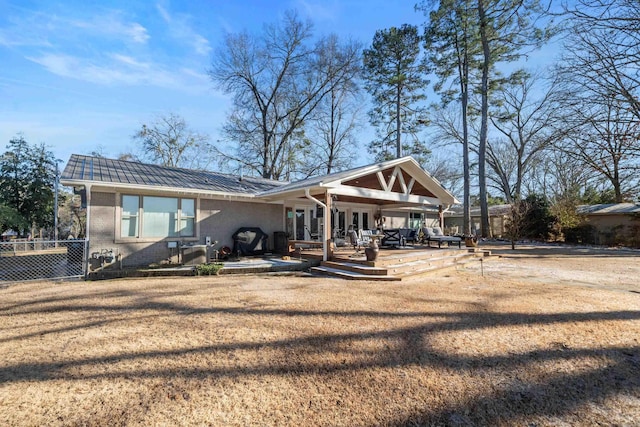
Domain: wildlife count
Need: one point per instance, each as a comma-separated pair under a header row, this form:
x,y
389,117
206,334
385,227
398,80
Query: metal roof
x,y
82,168
494,210
609,209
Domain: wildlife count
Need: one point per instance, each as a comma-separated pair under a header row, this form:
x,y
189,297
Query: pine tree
x,y
394,74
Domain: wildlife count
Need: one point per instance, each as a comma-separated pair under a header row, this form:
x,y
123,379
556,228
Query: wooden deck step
x,y
356,267
430,268
351,275
422,266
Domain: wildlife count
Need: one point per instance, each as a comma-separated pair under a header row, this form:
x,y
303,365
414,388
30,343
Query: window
x,y
415,219
187,217
152,216
130,209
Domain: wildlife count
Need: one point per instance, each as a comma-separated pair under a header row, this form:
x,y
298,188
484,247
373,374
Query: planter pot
x,y
471,242
371,253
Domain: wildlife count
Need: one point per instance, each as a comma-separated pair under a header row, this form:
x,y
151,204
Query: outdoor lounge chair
x,y
435,234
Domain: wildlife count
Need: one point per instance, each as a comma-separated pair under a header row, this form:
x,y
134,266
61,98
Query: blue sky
x,y
85,75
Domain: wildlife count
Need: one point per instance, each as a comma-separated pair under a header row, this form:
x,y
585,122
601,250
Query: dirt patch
x,y
540,339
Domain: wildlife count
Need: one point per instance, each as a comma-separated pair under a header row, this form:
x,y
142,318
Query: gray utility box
x,y
194,255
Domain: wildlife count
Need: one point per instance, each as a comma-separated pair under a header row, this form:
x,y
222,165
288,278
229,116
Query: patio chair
x,y
408,235
392,237
365,235
356,242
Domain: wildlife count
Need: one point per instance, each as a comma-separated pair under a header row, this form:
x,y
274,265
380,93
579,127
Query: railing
x,y
42,259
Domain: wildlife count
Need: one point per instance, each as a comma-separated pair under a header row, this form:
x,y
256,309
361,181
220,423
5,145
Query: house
x,y
498,218
613,223
146,213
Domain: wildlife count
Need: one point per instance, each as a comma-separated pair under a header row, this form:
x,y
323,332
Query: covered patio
x,y
384,196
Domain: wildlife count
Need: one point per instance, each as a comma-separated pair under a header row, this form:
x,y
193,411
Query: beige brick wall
x,y
218,219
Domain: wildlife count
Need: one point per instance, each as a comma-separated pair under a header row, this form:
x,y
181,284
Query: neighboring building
x,y
498,219
147,212
613,224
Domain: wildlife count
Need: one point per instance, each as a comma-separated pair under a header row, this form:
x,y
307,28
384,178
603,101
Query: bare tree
x,y
169,141
331,129
447,169
519,221
602,50
277,81
528,123
607,142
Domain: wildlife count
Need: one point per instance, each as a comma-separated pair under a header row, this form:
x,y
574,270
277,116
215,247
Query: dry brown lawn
x,y
547,337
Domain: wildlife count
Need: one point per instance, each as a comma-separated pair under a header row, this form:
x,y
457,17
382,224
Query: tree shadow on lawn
x,y
406,347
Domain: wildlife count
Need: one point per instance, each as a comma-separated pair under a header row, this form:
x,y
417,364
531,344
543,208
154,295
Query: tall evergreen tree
x,y
498,31
451,43
506,28
394,75
27,177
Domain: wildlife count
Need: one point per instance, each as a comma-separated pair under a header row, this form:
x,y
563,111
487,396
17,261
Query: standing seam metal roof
x,y
99,169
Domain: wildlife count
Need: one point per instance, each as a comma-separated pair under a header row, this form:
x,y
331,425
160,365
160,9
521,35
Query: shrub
x,y
584,234
209,269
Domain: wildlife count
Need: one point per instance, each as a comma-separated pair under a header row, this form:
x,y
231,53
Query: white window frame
x,y
140,219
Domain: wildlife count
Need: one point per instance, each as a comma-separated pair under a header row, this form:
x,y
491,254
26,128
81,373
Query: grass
x,y
459,349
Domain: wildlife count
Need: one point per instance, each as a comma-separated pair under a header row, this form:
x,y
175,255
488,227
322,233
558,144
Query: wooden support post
x,y
327,226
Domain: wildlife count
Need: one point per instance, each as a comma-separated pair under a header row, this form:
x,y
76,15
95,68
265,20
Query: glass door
x,y
360,220
339,224
299,224
306,224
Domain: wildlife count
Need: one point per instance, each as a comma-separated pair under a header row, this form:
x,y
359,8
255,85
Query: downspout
x,y
325,229
87,189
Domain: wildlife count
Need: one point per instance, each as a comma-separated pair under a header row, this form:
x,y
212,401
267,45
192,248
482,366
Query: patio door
x,y
305,224
339,224
361,219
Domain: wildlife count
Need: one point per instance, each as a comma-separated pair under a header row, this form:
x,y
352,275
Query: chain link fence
x,y
42,259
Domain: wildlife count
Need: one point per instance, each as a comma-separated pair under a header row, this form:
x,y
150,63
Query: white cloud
x,y
113,25
318,11
108,47
137,32
131,61
117,69
180,29
14,34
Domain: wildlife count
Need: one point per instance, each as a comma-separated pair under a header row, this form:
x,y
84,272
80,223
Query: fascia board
x,y
134,187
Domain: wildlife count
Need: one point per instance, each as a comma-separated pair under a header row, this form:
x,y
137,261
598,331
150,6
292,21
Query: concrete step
x,y
352,275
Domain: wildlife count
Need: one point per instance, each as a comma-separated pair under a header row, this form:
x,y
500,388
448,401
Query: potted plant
x,y
470,241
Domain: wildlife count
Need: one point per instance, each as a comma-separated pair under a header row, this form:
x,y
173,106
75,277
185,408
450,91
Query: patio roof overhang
x,y
396,183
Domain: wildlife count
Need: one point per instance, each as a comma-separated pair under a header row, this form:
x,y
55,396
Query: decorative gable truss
x,y
396,175
392,185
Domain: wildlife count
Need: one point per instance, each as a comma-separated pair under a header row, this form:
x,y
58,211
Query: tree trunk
x,y
482,144
466,215
398,125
